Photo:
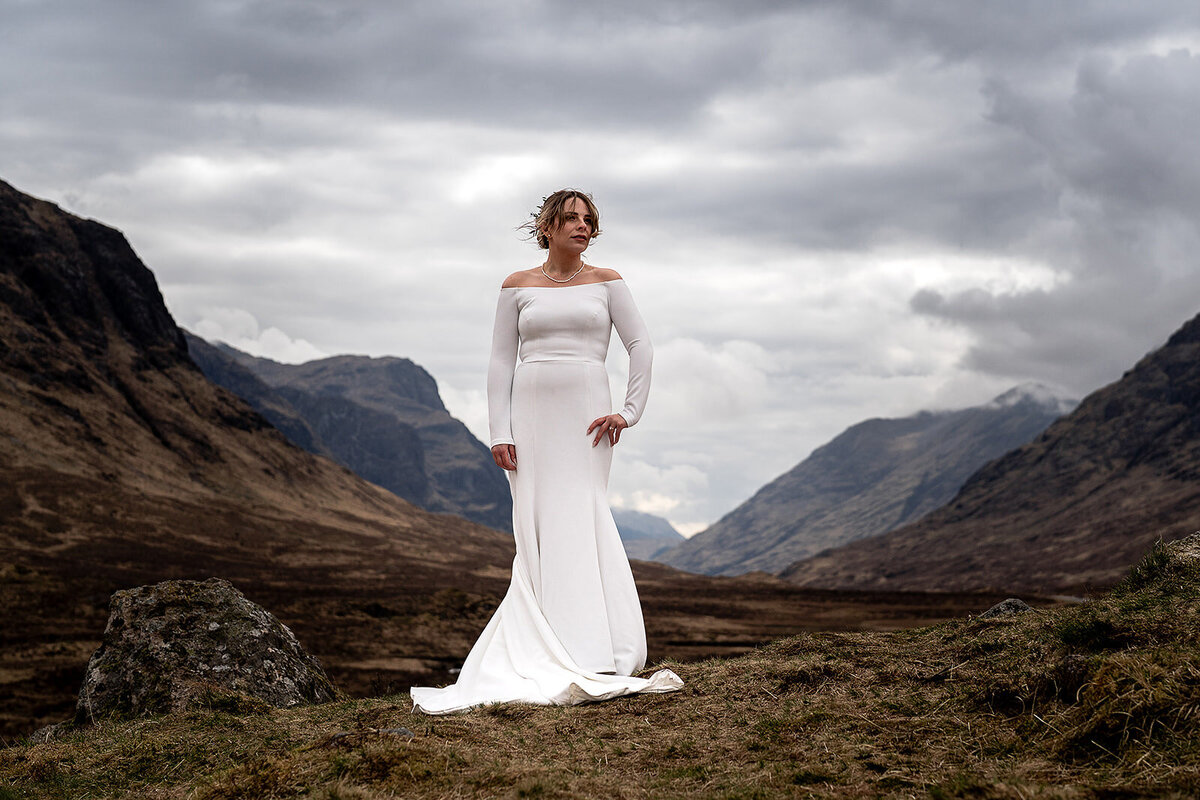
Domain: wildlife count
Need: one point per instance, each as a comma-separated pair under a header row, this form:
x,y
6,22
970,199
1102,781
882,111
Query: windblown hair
x,y
550,213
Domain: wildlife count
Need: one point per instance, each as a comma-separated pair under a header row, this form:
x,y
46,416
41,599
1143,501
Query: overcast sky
x,y
826,211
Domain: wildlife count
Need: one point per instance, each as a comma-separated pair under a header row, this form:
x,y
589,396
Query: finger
x,y
595,422
616,434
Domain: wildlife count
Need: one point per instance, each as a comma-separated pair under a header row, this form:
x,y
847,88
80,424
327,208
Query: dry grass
x,y
1094,701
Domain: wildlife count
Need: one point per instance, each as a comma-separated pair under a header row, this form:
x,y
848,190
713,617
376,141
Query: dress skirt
x,y
567,542
570,628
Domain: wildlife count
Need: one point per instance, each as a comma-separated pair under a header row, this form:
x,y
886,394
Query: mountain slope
x,y
433,459
1069,510
875,476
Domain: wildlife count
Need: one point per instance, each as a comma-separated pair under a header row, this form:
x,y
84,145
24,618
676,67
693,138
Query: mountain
x,y
1068,511
381,417
873,477
376,446
644,534
225,371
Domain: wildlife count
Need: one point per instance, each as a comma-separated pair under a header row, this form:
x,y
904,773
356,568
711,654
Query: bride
x,y
570,628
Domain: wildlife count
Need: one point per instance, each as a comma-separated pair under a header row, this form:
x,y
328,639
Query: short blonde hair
x,y
549,215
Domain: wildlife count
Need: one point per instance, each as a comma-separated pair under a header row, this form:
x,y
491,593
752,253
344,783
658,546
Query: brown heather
x,y
1097,700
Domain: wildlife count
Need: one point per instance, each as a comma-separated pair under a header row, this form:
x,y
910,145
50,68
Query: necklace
x,y
563,280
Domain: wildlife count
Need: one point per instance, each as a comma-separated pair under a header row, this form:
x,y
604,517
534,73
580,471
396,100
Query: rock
x,y
1006,608
51,732
180,644
1186,548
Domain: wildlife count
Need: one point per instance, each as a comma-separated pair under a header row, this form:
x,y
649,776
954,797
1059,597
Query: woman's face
x,y
574,233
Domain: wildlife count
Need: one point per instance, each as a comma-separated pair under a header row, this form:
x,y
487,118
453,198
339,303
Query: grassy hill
x,y
1097,700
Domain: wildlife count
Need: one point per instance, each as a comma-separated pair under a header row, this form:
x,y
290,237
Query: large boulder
x,y
179,644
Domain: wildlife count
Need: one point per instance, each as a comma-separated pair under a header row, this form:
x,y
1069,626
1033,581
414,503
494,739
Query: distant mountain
x,y
381,417
1072,509
225,371
644,534
874,477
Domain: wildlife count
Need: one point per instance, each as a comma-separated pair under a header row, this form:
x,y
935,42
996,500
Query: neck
x,y
560,264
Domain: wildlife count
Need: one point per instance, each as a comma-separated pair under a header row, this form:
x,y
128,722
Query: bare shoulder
x,y
523,277
604,274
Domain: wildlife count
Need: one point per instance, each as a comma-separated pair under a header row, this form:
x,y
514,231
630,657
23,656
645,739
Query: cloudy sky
x,y
826,211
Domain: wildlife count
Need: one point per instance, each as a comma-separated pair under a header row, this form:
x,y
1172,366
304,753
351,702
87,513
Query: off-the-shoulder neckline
x,y
575,286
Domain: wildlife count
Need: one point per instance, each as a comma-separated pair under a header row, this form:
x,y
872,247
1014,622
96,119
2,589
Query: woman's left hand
x,y
612,425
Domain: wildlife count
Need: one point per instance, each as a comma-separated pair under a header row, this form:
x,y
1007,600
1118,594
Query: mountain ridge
x,y
876,475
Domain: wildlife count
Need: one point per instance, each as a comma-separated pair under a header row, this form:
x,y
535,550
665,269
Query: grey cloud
x,y
798,131
458,60
1123,229
1025,32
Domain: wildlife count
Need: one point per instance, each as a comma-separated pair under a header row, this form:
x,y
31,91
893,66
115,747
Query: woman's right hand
x,y
505,456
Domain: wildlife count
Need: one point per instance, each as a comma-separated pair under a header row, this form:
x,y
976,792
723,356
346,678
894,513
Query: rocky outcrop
x,y
176,644
873,477
1066,513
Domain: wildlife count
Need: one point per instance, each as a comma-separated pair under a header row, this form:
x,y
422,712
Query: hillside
x,y
873,477
1089,701
1067,511
381,417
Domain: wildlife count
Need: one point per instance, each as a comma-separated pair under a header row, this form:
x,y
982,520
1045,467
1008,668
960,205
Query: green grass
x,y
1091,701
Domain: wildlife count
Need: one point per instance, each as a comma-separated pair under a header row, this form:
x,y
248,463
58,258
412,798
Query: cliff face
x,y
874,477
384,419
1069,510
121,464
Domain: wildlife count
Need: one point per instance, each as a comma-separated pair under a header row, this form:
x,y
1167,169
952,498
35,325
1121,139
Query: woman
x,y
570,628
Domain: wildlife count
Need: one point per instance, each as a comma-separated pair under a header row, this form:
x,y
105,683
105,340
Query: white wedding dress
x,y
570,628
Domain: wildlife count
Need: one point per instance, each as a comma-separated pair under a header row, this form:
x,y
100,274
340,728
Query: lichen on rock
x,y
177,644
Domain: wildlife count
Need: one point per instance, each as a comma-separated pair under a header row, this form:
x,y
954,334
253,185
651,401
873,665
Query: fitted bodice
x,y
570,323
564,323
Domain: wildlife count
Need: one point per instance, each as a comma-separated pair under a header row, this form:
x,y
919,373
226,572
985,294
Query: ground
x,y
1097,700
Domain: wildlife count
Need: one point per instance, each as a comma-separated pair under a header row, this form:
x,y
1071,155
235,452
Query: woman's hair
x,y
550,213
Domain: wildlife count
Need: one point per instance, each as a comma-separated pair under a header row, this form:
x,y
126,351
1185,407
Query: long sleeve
x,y
636,339
500,369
